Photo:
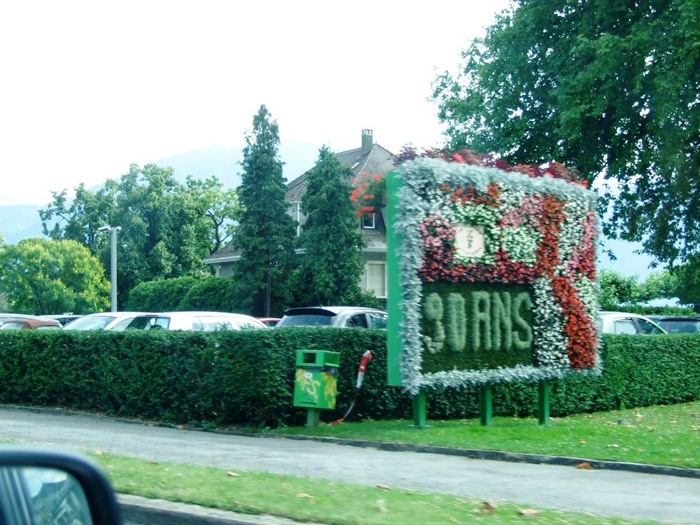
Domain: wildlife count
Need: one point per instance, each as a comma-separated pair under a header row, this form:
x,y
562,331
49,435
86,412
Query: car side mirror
x,y
39,486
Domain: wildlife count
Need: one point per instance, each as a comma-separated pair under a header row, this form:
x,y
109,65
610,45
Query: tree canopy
x,y
167,228
41,276
332,265
266,233
606,87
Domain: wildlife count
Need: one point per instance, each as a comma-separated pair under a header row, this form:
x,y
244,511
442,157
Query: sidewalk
x,y
604,491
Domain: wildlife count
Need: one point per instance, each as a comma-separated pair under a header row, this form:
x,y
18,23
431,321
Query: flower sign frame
x,y
491,275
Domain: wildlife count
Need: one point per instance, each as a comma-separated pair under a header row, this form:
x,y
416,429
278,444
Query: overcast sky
x,y
90,87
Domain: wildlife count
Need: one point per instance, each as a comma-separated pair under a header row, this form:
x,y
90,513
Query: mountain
x,y
20,222
224,162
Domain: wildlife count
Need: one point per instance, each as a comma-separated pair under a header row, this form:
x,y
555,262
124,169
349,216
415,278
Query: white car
x,y
105,321
627,323
197,321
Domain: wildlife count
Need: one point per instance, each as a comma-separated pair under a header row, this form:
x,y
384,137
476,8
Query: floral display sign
x,y
492,277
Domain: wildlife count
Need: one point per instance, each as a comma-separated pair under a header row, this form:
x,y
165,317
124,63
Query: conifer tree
x,y
332,265
266,233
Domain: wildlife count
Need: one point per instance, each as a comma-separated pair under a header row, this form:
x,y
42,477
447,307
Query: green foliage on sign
x,y
472,326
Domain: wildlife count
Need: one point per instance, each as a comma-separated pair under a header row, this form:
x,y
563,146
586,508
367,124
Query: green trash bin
x,y
316,379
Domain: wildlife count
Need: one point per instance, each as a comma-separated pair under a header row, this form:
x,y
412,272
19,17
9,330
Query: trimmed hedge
x,y
247,378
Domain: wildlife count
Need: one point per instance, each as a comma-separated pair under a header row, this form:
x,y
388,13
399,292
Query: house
x,y
370,158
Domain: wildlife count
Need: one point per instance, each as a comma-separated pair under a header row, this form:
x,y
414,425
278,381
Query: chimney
x,y
366,141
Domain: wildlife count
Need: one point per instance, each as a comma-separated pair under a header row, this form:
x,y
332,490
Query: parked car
x,y
198,321
105,321
335,316
64,319
10,316
627,323
269,321
677,324
30,324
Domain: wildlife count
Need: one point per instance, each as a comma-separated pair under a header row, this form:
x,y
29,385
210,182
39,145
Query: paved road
x,y
670,499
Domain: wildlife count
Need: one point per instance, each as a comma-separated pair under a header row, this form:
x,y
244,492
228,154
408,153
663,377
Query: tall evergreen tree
x,y
266,233
332,265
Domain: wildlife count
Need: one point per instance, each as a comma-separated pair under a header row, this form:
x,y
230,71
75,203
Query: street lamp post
x,y
113,262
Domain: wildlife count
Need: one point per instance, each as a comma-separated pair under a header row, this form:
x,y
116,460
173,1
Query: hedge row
x,y
247,378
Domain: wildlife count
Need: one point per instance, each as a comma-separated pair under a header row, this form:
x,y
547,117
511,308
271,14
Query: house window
x,y
369,221
374,279
294,211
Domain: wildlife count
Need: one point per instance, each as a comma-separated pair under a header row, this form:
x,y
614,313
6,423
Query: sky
x,y
89,88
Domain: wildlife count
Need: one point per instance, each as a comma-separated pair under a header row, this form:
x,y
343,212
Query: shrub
x,y
247,378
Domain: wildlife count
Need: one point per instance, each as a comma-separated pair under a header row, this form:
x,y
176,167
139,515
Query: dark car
x,y
269,321
335,316
678,324
64,319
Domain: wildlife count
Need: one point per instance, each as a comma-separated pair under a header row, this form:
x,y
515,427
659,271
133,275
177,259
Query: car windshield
x,y
95,322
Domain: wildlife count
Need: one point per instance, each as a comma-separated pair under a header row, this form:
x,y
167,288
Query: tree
x,y
332,265
604,87
266,233
218,208
184,293
161,295
685,283
167,228
41,276
617,289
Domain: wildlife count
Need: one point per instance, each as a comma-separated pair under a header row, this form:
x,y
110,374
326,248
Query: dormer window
x,y
369,221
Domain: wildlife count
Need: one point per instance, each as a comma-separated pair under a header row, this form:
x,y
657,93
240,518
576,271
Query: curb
x,y
515,457
139,510
136,509
494,455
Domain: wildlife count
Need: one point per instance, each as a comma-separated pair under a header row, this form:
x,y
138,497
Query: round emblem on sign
x,y
469,240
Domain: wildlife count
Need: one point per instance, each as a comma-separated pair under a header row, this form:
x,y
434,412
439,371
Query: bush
x,y
184,294
247,378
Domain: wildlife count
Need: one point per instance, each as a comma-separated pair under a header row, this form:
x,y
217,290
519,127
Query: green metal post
x,y
486,403
313,416
419,410
544,390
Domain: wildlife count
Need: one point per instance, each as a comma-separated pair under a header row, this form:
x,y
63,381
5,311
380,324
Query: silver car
x,y
335,316
627,323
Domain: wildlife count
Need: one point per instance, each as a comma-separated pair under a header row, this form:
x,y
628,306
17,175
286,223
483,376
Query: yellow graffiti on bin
x,y
308,384
331,389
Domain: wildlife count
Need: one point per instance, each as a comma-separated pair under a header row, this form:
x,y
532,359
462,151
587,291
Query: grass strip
x,y
321,501
658,435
